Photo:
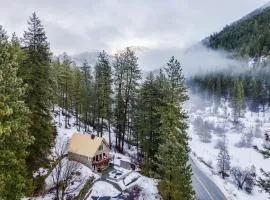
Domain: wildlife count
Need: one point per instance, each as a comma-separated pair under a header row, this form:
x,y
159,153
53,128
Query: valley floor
x,y
242,154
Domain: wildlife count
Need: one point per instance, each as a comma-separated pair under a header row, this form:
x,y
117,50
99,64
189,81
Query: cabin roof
x,y
85,144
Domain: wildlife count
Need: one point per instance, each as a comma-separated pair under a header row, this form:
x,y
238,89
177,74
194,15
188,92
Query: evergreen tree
x,y
36,72
218,93
255,96
77,95
175,173
223,161
56,86
177,91
238,99
147,121
127,75
103,89
65,83
14,123
88,98
263,94
264,182
172,155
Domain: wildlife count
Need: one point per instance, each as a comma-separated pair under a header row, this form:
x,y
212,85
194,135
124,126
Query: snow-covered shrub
x,y
210,125
246,140
258,131
206,136
203,129
219,130
198,123
239,126
266,142
258,121
244,178
219,144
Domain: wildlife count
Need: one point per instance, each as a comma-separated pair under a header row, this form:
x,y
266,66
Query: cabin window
x,y
100,148
100,156
96,157
104,155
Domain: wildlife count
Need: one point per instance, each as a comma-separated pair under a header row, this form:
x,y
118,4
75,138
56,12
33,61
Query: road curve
x,y
205,188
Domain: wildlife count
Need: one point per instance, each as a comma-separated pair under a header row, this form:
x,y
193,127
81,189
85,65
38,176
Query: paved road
x,y
205,188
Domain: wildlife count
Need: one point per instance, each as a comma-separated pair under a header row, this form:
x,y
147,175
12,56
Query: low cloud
x,y
79,26
196,60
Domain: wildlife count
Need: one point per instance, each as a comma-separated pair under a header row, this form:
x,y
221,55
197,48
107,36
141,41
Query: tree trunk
x,y
85,121
57,192
101,130
110,142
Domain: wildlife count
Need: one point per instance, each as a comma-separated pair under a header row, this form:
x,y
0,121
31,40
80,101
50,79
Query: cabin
x,y
90,150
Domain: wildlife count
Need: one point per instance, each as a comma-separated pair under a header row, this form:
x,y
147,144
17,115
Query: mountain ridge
x,y
248,36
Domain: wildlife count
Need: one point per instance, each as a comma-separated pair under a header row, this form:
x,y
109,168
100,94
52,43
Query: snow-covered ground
x,y
246,156
100,188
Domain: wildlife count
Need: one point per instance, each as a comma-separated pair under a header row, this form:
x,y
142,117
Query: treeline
x,y
106,97
249,36
249,89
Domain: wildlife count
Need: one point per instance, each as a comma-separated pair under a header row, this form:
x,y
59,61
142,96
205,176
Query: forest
x,y
109,95
248,89
247,37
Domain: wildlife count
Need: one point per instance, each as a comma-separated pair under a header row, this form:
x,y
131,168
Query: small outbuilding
x,y
89,150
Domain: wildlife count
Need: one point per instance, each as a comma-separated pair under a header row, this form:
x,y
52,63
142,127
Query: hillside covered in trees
x,y
240,90
107,96
249,36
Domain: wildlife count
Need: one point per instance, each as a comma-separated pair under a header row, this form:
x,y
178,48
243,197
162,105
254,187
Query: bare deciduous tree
x,y
244,178
66,178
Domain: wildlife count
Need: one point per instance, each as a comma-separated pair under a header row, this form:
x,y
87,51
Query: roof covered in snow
x,y
85,144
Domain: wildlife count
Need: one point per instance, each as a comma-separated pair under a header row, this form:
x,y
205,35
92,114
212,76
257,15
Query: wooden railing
x,y
102,162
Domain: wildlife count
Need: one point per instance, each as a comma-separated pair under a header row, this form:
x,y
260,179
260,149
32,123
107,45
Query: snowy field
x,y
239,139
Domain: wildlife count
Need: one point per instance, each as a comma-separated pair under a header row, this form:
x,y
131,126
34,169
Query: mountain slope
x,y
248,36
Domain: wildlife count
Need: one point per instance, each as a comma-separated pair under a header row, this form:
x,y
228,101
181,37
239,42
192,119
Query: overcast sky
x,y
85,25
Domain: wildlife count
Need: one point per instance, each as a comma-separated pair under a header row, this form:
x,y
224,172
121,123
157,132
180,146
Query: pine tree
x,y
254,96
88,98
147,122
218,93
77,95
14,123
127,75
65,83
223,161
238,99
175,173
264,182
103,82
263,94
36,73
172,155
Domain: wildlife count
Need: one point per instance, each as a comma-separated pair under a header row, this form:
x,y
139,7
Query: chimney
x,y
93,136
